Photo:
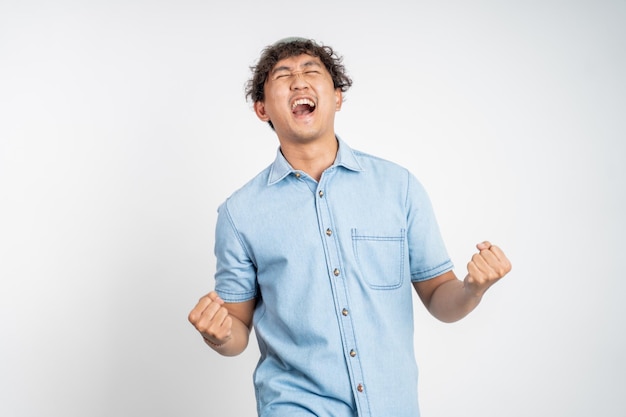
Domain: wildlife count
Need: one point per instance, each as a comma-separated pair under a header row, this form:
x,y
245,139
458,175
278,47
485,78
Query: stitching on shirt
x,y
408,191
383,238
377,238
416,276
237,297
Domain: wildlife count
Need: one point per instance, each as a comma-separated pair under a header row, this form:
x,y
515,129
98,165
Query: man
x,y
319,253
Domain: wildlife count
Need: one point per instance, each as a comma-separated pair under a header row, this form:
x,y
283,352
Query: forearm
x,y
452,301
449,299
236,343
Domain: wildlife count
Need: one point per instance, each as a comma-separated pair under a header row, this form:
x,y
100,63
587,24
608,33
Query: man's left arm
x,y
449,299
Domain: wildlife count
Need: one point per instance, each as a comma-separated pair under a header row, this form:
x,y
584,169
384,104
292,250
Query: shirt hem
x,y
230,297
433,272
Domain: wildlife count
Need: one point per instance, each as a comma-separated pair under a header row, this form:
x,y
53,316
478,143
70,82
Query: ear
x,y
338,99
259,109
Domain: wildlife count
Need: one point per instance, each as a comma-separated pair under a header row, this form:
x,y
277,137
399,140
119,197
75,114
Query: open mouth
x,y
302,107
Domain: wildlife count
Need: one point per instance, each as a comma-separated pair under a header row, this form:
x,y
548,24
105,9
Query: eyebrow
x,y
306,64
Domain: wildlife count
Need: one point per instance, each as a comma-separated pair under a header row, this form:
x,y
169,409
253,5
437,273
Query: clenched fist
x,y
486,268
212,320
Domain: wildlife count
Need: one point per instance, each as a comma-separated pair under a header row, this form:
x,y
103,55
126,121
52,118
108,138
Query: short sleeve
x,y
235,276
427,252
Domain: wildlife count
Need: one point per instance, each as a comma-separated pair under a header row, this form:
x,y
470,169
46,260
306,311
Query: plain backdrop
x,y
123,125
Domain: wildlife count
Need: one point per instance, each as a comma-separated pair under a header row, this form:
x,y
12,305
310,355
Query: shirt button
x,y
329,232
321,193
336,272
344,312
360,388
297,175
353,353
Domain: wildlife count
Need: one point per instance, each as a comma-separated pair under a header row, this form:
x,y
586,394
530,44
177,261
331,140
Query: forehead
x,y
297,62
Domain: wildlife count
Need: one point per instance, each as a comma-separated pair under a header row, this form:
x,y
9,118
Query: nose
x,y
298,81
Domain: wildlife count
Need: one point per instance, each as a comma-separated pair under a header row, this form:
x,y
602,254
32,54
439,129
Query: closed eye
x,y
279,76
286,75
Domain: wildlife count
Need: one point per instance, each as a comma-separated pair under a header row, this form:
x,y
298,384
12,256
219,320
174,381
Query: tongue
x,y
302,109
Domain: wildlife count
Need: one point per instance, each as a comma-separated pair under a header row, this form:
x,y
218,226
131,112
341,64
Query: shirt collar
x,y
280,168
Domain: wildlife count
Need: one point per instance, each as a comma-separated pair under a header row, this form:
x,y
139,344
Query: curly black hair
x,y
286,48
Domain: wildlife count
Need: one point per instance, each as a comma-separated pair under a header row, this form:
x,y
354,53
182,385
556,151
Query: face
x,y
300,100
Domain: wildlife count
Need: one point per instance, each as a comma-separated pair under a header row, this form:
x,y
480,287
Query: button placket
x,y
340,291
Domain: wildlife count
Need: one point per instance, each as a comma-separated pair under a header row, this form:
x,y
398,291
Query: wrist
x,y
473,290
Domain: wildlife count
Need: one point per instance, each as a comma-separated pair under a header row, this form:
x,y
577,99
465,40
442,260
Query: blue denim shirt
x,y
331,265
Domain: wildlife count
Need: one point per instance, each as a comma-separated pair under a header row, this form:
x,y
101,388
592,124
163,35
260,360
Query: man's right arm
x,y
225,327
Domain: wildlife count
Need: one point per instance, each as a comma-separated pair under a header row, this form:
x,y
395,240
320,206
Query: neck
x,y
312,158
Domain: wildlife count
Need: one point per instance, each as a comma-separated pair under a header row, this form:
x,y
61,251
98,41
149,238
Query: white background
x,y
123,125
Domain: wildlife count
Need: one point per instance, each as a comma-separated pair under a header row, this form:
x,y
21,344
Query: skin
x,y
308,142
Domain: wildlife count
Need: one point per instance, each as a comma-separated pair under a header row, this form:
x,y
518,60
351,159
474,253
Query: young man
x,y
319,252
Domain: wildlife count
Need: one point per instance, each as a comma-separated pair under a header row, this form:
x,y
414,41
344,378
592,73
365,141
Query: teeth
x,y
302,101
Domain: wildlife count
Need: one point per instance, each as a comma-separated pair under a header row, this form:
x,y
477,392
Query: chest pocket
x,y
381,257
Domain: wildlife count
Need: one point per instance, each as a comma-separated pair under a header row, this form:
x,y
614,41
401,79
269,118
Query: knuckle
x,y
192,317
